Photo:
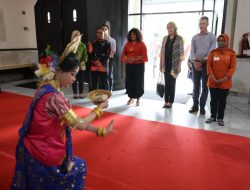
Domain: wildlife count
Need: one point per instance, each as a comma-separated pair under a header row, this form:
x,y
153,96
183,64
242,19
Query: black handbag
x,y
160,87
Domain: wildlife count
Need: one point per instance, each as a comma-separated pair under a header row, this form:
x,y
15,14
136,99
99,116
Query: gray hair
x,y
173,25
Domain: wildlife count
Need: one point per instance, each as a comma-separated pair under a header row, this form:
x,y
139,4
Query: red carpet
x,y
143,155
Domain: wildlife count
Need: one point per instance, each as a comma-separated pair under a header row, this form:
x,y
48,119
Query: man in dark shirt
x,y
99,57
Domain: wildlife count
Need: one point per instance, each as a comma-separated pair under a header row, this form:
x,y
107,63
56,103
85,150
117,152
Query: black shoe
x,y
202,111
220,122
193,109
210,120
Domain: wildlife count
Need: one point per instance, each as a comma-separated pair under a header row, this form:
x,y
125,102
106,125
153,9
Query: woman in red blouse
x,y
134,55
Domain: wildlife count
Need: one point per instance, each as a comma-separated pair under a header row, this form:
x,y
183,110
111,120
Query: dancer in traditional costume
x,y
44,157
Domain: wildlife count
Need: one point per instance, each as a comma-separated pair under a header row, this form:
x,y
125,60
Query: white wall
x,y
241,77
237,26
16,36
242,22
237,23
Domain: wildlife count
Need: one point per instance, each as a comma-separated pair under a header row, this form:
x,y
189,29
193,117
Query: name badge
x,y
216,58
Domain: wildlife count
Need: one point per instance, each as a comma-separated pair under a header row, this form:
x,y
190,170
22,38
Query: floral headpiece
x,y
49,61
47,65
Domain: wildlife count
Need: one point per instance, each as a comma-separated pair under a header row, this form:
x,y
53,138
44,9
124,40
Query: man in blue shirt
x,y
112,42
202,44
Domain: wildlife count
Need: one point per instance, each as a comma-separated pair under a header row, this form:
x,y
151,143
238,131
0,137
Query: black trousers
x,y
170,82
99,80
78,85
199,76
218,102
135,80
111,76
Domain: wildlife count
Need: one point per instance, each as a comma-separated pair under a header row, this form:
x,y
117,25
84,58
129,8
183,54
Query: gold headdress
x,y
71,47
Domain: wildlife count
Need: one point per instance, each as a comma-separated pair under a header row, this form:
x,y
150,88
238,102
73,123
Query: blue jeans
x,y
200,77
111,76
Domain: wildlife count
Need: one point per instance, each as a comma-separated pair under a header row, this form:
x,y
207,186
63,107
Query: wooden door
x,y
48,24
73,18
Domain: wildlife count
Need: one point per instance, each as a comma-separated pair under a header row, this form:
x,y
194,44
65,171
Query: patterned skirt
x,y
31,174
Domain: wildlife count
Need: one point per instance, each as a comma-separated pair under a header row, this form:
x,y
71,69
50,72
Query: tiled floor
x,y
237,116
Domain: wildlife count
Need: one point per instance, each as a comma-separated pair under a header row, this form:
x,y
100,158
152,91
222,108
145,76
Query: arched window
x,y
74,15
48,17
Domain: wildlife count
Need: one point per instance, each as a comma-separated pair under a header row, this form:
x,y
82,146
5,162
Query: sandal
x,y
169,105
75,96
137,102
165,105
131,101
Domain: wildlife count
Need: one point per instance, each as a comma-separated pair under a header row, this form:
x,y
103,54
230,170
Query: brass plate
x,y
99,96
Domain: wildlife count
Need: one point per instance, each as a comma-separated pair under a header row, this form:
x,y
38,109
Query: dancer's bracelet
x,y
98,111
69,118
101,132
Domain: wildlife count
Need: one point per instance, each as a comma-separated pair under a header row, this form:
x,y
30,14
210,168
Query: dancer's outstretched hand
x,y
110,129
